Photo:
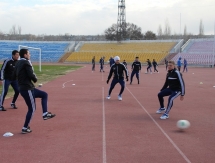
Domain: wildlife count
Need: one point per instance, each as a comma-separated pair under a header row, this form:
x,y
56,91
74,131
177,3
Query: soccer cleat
x,y
159,111
2,108
14,106
120,98
48,116
27,130
108,97
164,116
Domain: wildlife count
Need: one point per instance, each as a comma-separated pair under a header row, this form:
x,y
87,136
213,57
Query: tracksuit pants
x,y
155,68
101,67
179,68
93,67
185,68
149,68
132,75
5,86
172,95
114,82
29,97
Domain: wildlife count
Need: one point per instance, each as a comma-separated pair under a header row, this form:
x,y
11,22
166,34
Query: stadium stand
x,y
198,52
127,50
51,51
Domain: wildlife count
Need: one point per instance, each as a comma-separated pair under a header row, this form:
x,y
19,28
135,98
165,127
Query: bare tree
x,y
160,32
185,30
19,30
13,30
167,28
201,28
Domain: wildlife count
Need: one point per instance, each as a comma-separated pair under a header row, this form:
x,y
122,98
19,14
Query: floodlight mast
x,y
121,21
27,47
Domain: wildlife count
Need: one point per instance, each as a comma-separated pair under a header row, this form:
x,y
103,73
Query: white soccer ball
x,y
40,85
183,124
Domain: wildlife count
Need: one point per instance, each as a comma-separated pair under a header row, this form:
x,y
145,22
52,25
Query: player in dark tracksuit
x,y
173,87
25,75
111,61
154,63
149,66
6,78
136,67
101,61
118,69
166,63
125,63
93,63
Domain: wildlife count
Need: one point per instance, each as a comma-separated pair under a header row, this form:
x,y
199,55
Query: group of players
x,y
18,72
173,86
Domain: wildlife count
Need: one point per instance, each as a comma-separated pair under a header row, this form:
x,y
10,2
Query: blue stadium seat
x,y
51,51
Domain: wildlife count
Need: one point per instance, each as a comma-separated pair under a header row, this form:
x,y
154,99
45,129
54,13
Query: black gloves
x,y
107,81
126,78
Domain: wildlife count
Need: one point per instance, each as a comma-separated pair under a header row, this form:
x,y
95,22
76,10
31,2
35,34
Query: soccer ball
x,y
183,124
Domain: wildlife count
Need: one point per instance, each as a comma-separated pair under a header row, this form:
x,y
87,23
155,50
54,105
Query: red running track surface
x,y
90,129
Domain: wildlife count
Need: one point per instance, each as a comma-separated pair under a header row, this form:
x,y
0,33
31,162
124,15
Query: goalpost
x,y
39,49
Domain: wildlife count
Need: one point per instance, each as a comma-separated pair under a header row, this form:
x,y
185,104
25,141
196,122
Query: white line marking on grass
x,y
165,134
63,86
104,130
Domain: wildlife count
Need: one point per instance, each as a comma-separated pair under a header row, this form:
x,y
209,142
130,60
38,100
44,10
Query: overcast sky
x,y
92,17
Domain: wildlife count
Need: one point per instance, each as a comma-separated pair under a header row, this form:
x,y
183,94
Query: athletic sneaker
x,y
159,111
14,106
2,108
120,98
164,116
48,116
27,130
108,97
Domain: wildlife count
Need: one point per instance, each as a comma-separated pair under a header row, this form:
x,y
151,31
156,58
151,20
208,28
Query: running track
x,y
90,129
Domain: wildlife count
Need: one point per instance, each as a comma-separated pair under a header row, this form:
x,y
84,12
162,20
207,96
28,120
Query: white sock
x,y
45,113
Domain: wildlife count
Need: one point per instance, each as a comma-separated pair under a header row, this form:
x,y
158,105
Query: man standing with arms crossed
x,y
6,78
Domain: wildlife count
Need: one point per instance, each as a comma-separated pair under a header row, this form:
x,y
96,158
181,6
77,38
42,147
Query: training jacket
x,y
149,63
118,69
154,63
101,61
136,66
111,61
179,63
174,81
7,69
125,63
25,74
93,61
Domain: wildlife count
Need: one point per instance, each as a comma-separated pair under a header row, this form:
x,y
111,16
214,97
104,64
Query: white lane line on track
x,y
63,86
104,129
165,134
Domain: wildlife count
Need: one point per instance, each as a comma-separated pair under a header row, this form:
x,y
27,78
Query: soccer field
x,y
48,73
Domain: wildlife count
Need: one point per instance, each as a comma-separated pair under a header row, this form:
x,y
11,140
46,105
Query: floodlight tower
x,y
121,21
